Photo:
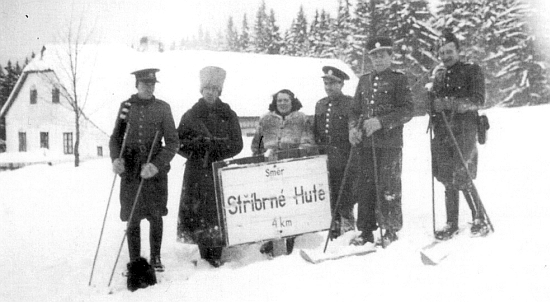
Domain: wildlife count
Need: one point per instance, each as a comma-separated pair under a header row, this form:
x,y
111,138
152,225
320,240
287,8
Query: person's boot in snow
x,y
363,239
479,228
157,264
447,232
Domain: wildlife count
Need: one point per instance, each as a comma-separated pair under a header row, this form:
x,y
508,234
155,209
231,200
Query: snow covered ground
x,y
50,219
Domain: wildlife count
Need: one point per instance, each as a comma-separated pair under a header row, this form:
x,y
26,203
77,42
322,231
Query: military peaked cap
x,y
447,37
334,74
146,75
379,43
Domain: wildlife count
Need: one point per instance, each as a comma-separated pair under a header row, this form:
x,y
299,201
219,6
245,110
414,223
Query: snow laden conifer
x,y
266,38
319,32
244,44
341,38
296,37
497,35
231,36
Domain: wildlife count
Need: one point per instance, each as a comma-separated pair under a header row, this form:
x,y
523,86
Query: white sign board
x,y
273,200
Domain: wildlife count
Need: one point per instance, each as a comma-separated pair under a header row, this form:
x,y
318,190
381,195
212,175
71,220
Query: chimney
x,y
42,52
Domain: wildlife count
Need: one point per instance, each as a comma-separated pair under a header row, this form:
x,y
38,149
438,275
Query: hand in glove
x,y
270,155
118,166
148,170
371,125
355,136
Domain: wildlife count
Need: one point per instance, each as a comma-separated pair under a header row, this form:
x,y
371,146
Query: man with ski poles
x,y
330,130
457,92
381,105
144,120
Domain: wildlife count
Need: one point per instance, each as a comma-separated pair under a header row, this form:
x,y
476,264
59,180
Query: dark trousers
x,y
345,208
134,236
389,163
452,204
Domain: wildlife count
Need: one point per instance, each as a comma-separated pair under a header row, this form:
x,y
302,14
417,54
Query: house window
x,y
68,143
34,95
100,151
55,95
44,140
22,142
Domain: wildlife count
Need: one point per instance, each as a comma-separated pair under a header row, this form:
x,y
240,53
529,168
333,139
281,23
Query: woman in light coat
x,y
283,128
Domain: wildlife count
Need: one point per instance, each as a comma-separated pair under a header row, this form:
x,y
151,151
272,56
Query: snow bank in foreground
x,y
50,218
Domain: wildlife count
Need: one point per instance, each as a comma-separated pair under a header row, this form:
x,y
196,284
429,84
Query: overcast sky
x,y
26,25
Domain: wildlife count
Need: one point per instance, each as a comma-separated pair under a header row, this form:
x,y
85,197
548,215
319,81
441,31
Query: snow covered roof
x,y
104,76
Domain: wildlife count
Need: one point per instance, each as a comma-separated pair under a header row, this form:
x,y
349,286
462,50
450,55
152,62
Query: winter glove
x,y
270,155
371,125
118,166
355,136
148,170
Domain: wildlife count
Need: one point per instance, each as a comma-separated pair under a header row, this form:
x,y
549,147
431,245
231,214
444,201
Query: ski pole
x,y
378,205
463,161
433,181
108,203
133,208
351,159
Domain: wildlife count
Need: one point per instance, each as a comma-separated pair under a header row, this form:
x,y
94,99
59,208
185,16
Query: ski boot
x,y
157,264
447,232
363,239
388,237
479,228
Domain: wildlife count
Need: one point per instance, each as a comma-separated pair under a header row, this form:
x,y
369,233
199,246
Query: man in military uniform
x,y
330,129
381,105
139,119
458,91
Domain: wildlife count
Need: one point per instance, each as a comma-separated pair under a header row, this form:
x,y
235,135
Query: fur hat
x,y
212,76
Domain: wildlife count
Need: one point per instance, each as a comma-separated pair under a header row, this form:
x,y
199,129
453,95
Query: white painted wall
x,y
45,116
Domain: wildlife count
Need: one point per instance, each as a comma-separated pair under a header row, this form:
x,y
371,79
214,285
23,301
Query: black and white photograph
x,y
274,150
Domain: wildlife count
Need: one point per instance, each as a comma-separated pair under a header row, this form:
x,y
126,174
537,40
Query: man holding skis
x,y
382,104
138,154
457,92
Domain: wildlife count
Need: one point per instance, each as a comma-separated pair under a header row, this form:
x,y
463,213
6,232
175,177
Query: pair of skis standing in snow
x,y
382,104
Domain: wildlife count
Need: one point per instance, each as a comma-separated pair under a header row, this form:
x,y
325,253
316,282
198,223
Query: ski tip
x,y
306,257
426,260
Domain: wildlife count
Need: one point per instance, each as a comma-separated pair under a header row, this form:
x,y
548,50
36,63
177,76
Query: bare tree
x,y
73,84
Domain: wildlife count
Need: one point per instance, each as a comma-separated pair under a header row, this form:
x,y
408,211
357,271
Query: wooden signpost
x,y
269,200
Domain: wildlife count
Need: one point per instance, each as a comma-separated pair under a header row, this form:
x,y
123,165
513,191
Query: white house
x,y
40,119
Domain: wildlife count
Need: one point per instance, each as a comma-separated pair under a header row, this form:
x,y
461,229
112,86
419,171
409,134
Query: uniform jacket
x,y
144,119
330,128
198,216
278,133
385,95
465,83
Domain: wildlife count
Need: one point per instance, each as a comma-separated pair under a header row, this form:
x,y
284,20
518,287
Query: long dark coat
x,y
207,134
464,81
143,120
